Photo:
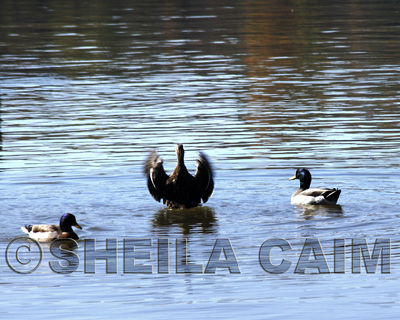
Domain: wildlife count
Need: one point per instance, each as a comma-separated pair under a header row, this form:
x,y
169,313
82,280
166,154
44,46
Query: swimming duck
x,y
180,189
48,232
304,195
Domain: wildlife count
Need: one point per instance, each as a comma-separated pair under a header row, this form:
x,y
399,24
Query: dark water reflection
x,y
188,220
263,87
1,123
312,211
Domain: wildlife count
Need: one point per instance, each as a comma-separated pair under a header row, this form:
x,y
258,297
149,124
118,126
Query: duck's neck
x,y
180,158
65,228
305,184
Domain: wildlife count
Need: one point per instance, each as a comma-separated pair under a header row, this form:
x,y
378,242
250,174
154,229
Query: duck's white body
x,y
313,196
43,233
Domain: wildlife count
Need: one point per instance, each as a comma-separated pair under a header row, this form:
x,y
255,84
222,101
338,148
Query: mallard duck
x,y
48,232
180,189
304,195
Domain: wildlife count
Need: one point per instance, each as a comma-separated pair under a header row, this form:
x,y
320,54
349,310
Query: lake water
x,y
88,88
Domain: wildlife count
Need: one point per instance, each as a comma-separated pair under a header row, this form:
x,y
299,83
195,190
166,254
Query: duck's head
x,y
304,176
67,221
179,151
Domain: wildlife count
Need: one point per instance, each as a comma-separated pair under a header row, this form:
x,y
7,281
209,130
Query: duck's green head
x,y
304,176
68,221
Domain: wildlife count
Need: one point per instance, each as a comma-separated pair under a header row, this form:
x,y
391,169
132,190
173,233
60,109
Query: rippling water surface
x,y
263,87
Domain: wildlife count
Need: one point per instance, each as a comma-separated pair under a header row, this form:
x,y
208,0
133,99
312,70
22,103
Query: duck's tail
x,y
332,195
27,228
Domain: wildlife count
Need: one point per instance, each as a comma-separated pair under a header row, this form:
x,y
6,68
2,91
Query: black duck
x,y
180,189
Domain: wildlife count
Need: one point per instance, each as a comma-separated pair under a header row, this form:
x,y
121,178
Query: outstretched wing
x,y
156,176
204,177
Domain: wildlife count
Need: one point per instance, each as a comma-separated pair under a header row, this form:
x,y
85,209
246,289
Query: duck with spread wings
x,y
180,189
